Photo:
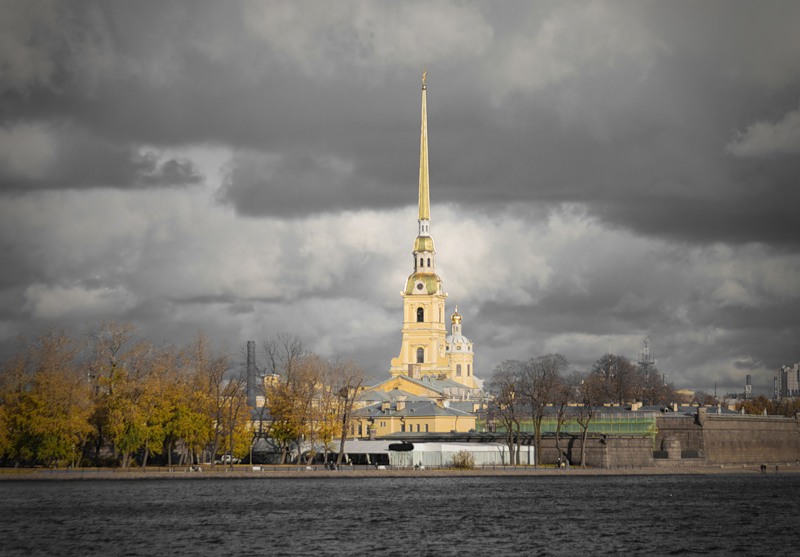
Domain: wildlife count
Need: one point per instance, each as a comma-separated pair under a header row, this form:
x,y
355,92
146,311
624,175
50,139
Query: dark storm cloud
x,y
639,137
38,157
181,75
291,185
658,164
667,129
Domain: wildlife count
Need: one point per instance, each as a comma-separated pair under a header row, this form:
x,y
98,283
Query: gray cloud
x,y
768,138
58,157
599,172
287,185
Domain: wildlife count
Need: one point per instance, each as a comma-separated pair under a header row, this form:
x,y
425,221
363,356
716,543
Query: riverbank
x,y
276,472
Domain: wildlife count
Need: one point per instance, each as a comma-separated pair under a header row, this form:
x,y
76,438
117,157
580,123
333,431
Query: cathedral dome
x,y
458,343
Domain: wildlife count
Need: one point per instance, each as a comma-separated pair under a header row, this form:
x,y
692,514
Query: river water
x,y
552,515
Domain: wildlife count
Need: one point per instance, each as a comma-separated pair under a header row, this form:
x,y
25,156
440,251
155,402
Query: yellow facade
x,y
423,348
393,422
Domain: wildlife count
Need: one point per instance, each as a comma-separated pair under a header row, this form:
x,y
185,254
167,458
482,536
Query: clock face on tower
x,y
420,286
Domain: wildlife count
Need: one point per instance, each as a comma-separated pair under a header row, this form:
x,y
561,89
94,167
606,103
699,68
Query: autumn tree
x,y
286,425
155,403
565,391
652,387
700,398
236,416
109,344
13,383
126,402
149,398
591,390
762,405
325,409
309,399
347,381
46,403
618,378
312,393
188,426
283,353
537,385
506,405
292,393
223,393
789,407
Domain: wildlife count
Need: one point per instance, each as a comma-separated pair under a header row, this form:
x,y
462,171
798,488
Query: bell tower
x,y
424,346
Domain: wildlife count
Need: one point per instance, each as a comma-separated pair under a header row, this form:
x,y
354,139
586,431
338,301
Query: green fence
x,y
619,424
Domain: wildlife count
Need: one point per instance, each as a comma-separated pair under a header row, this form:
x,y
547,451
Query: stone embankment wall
x,y
750,439
680,428
682,440
720,439
692,440
629,452
602,451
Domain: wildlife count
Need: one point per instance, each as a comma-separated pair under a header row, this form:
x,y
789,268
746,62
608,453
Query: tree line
x,y
789,407
523,392
112,398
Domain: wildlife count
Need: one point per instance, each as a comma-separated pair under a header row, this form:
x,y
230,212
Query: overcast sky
x,y
600,171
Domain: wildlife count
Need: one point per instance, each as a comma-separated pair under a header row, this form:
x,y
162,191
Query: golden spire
x,y
424,188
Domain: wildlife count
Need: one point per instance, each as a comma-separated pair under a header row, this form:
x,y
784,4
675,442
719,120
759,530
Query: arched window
x,y
420,315
458,370
421,262
429,262
468,370
420,355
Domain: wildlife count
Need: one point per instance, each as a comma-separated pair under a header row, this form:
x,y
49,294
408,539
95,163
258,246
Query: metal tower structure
x,y
646,361
647,367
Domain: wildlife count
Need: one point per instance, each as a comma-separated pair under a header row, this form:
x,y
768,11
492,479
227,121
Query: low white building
x,y
436,455
441,454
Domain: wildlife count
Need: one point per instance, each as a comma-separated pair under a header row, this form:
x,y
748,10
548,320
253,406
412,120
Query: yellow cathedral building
x,y
432,387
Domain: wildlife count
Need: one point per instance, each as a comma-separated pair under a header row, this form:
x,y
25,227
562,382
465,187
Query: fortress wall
x,y
682,428
602,451
710,438
729,439
750,439
683,440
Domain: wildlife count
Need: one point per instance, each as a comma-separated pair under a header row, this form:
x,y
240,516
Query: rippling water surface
x,y
586,515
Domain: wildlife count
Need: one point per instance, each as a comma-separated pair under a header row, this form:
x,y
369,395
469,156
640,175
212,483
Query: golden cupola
x,y
456,341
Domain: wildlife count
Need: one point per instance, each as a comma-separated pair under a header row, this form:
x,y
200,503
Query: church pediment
x,y
404,383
